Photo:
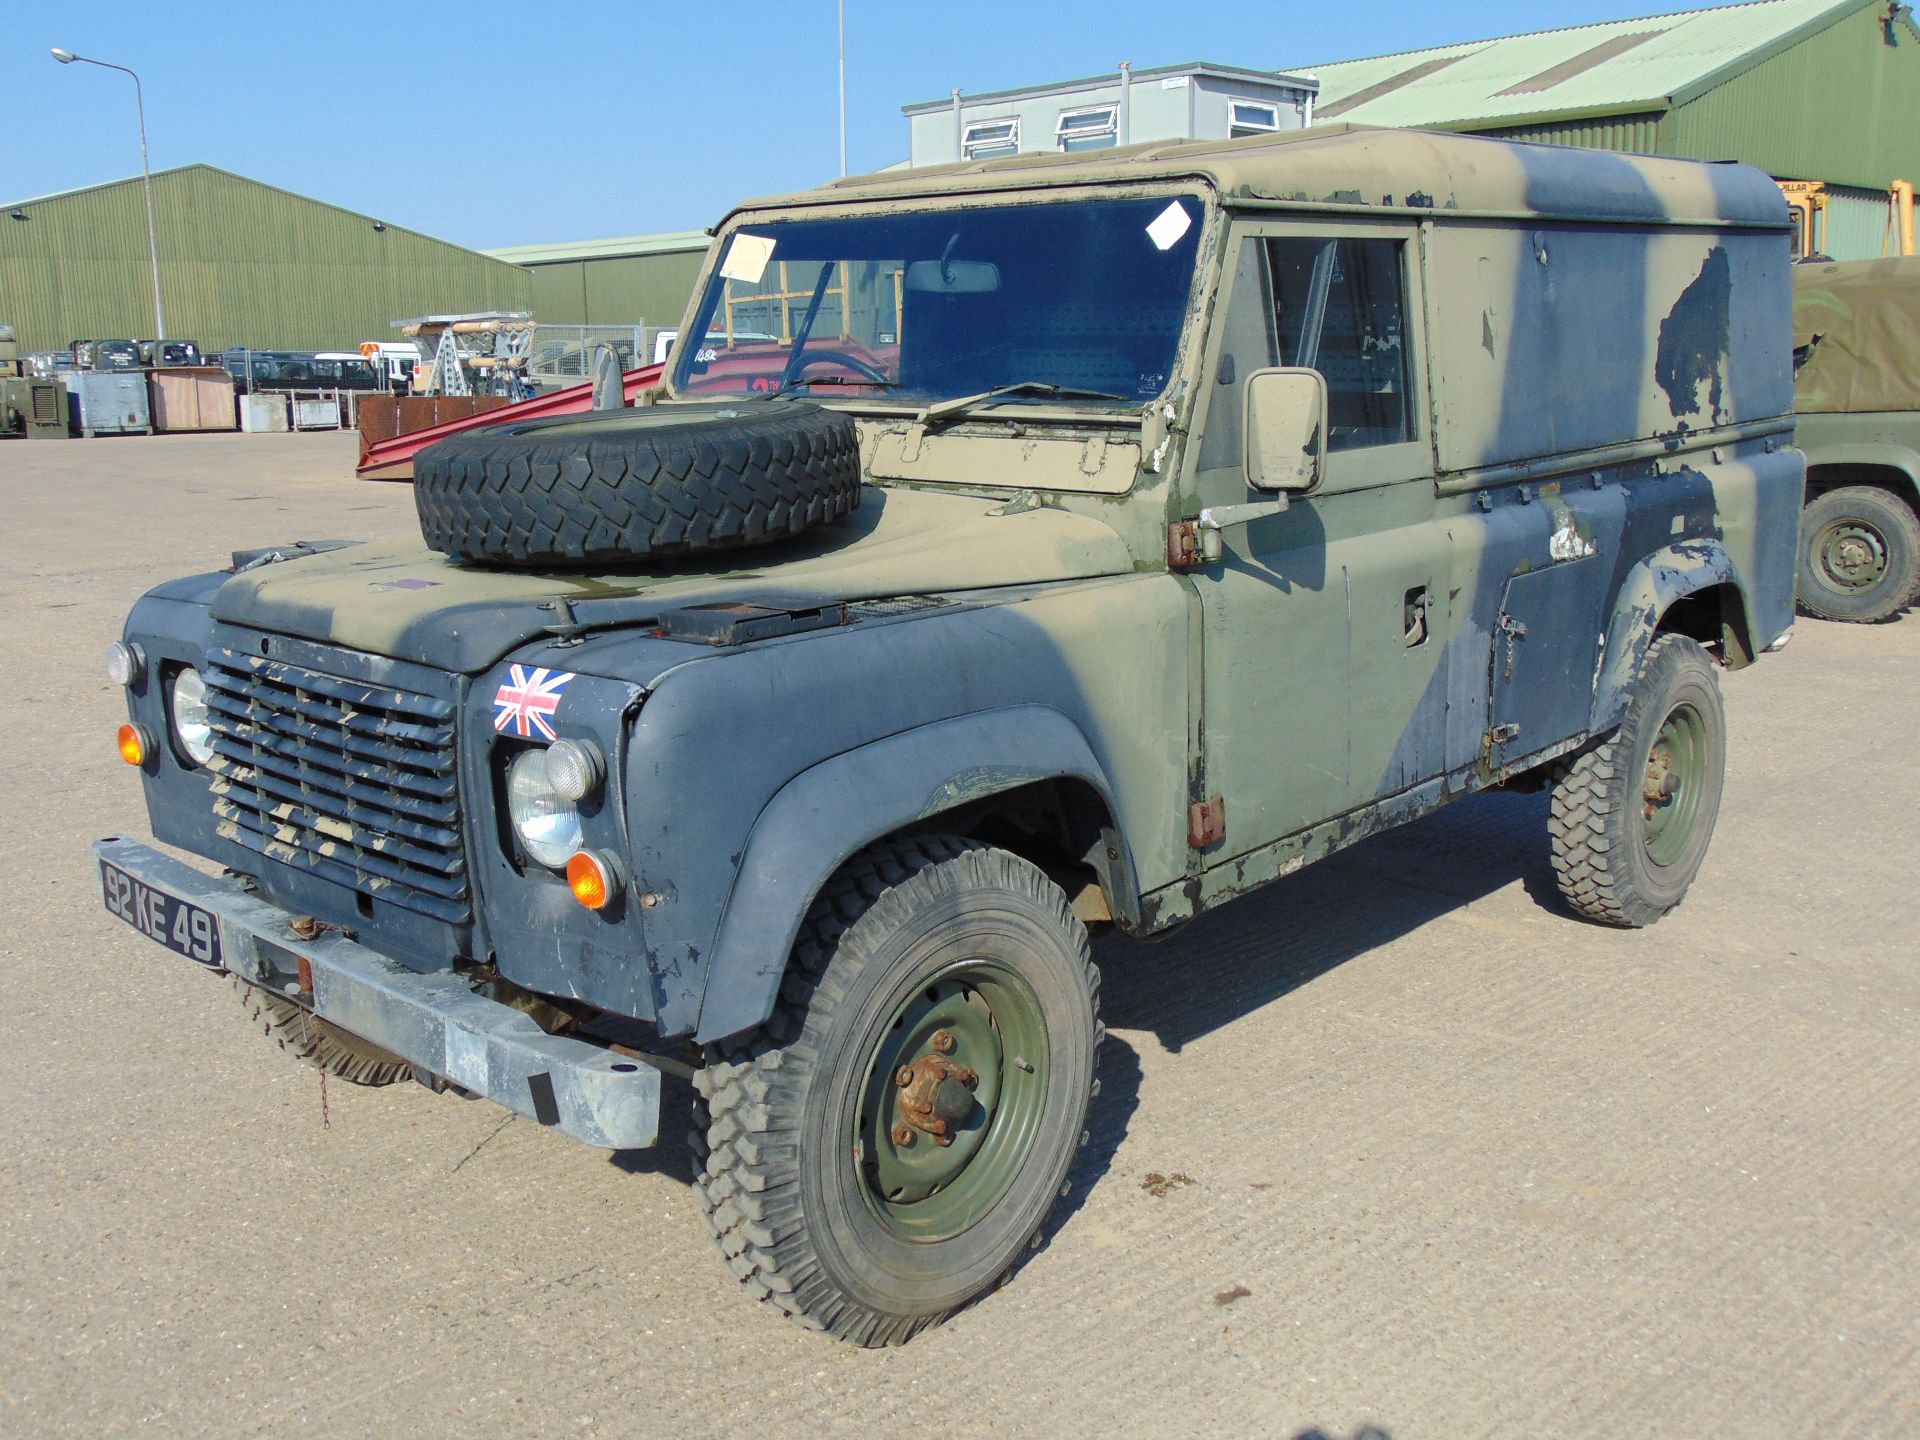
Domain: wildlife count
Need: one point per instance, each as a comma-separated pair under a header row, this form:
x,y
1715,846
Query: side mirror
x,y
1286,429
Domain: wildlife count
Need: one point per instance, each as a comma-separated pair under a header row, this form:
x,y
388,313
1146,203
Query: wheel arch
x,y
974,773
1690,588
1893,468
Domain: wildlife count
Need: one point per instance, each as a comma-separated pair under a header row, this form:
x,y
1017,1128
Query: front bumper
x,y
436,1022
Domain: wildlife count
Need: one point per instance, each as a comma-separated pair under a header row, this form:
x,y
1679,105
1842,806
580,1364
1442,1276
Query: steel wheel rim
x,y
1851,556
922,1191
1676,779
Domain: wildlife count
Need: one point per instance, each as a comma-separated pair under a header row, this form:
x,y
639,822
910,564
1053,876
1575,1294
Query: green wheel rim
x,y
1850,556
1677,774
988,1019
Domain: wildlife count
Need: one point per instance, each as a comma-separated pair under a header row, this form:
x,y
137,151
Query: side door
x,y
1323,626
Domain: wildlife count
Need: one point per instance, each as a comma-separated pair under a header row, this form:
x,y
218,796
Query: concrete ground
x,y
1395,1147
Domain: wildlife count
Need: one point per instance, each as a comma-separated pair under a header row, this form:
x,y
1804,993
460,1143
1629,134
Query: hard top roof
x,y
1366,168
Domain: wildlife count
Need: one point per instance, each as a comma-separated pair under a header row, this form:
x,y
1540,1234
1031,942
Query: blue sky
x,y
493,124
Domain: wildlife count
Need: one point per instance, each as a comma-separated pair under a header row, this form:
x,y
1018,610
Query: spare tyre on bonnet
x,y
612,488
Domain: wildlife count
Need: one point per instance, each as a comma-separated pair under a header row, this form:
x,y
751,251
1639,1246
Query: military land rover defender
x,y
1012,549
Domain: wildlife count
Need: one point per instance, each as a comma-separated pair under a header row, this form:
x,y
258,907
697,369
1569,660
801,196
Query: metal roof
x,y
1363,169
1654,63
670,242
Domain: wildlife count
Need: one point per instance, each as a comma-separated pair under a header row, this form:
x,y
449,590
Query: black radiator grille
x,y
351,781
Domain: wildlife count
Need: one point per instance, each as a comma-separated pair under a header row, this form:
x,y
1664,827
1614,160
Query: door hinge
x,y
1183,545
1206,823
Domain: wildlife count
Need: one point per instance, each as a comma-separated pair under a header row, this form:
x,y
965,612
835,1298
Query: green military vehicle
x,y
1856,338
1027,547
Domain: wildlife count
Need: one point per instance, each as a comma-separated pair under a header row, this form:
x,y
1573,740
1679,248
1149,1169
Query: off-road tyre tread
x,y
1898,518
745,1162
1585,819
307,1037
526,496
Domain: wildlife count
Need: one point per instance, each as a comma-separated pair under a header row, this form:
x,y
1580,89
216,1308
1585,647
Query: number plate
x,y
184,929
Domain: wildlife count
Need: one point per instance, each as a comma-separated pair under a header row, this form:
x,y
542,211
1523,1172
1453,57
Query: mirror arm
x,y
1215,518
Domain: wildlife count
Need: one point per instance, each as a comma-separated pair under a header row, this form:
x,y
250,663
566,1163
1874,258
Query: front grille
x,y
350,781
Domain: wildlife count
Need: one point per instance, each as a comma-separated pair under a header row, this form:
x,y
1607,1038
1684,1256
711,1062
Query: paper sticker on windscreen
x,y
747,257
1169,225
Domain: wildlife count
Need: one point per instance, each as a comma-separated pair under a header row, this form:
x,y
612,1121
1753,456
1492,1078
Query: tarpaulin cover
x,y
1858,323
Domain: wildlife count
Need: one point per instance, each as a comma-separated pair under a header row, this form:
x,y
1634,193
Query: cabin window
x,y
984,139
1093,128
1250,117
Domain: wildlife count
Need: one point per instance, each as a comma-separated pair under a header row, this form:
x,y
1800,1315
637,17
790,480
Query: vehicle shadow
x,y
1234,960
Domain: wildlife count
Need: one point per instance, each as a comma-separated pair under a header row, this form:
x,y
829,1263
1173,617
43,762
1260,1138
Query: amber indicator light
x,y
133,744
588,879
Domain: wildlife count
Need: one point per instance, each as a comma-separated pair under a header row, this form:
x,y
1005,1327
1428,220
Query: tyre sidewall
x,y
1678,672
897,949
1899,531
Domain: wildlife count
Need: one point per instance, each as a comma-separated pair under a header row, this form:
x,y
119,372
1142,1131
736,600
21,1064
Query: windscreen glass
x,y
932,305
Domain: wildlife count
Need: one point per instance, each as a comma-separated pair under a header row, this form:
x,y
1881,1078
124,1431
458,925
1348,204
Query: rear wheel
x,y
887,1147
1631,819
1859,555
307,1037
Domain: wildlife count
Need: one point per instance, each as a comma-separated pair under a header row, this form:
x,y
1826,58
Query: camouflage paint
x,y
1602,385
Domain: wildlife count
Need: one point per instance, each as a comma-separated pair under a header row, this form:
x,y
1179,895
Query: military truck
x,y
1038,546
1857,391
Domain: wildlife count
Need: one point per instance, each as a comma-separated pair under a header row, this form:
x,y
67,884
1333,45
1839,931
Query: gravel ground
x,y
1394,1147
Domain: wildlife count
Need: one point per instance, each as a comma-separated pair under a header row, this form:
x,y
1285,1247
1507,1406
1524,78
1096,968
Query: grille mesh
x,y
350,781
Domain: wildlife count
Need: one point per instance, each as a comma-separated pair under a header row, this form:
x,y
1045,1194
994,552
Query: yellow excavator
x,y
1807,203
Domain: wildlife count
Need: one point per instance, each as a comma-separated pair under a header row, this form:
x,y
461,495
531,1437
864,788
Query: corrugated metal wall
x,y
622,290
1630,134
1841,106
240,263
1856,223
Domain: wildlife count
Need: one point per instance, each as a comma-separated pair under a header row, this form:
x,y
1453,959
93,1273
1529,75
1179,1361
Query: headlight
x,y
187,711
544,819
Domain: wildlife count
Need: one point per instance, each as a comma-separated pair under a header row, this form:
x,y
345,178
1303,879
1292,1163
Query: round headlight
x,y
543,818
575,768
123,662
187,711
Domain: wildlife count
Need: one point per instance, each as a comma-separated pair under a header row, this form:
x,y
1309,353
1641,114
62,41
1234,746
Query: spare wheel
x,y
613,488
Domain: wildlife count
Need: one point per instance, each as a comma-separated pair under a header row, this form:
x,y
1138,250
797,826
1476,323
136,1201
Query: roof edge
x,y
1750,59
1298,79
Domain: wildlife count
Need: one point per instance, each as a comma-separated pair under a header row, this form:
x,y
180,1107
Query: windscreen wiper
x,y
787,387
944,410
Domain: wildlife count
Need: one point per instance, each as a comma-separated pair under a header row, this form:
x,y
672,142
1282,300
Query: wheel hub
x,y
935,1095
953,1094
1670,793
1853,556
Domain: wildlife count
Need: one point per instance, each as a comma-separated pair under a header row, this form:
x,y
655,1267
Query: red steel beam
x,y
393,459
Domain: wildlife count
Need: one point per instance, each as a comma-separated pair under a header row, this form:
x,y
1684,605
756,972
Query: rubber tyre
x,y
307,1037
1890,523
782,1188
660,481
1603,858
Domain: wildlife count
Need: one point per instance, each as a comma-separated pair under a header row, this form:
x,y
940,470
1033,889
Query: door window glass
x,y
1336,305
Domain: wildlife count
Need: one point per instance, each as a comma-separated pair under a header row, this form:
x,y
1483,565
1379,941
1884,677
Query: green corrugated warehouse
x,y
1812,90
241,264
633,280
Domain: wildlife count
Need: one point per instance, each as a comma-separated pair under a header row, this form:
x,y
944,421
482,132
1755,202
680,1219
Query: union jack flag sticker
x,y
526,699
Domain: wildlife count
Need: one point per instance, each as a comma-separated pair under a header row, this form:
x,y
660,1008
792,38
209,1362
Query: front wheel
x,y
887,1147
1631,819
1859,555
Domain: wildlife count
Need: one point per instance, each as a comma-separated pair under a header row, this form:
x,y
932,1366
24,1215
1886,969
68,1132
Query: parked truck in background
x,y
1032,546
1856,336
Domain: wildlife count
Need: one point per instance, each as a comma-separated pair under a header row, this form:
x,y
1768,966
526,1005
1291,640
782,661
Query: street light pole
x,y
843,89
67,57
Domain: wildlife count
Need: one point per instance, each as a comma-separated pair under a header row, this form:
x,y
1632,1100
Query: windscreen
x,y
921,306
